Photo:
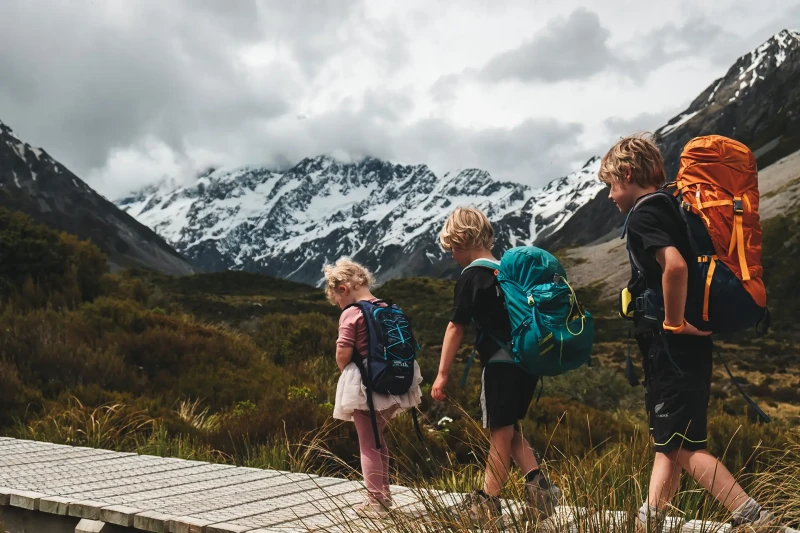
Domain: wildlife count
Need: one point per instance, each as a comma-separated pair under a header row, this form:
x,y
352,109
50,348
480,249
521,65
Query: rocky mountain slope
x,y
33,182
607,262
757,102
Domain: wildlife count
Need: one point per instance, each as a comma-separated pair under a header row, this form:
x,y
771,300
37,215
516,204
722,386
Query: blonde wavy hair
x,y
467,228
637,154
346,272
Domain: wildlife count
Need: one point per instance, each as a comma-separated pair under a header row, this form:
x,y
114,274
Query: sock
x,y
494,501
651,511
536,476
530,476
747,513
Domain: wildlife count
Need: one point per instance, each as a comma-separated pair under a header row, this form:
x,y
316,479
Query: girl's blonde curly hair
x,y
346,272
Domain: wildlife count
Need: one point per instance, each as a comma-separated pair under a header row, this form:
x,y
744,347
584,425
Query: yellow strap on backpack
x,y
625,299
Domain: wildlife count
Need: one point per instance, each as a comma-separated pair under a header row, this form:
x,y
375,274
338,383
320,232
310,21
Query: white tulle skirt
x,y
351,395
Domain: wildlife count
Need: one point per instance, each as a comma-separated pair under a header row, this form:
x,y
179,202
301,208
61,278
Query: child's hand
x,y
437,391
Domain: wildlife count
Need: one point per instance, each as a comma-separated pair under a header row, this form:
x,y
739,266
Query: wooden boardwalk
x,y
131,492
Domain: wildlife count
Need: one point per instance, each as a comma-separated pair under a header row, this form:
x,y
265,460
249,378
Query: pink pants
x,y
374,462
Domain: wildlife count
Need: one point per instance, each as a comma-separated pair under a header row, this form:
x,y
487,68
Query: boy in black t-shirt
x,y
676,355
506,390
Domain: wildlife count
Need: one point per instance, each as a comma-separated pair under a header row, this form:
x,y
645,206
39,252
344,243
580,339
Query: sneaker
x,y
542,497
766,523
481,511
373,509
655,523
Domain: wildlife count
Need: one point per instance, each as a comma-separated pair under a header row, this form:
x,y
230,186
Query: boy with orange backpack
x,y
695,252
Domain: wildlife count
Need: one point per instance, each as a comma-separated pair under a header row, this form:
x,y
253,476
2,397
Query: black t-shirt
x,y
653,225
479,302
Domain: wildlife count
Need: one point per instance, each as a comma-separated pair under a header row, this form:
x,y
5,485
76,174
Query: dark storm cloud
x,y
85,78
81,78
567,49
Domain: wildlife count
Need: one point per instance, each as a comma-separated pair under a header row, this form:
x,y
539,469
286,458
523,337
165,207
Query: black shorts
x,y
506,394
677,371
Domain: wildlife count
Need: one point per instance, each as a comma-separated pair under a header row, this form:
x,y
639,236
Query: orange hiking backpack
x,y
717,191
716,195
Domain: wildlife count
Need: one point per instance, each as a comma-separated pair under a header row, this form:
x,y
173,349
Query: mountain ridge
x,y
33,182
289,224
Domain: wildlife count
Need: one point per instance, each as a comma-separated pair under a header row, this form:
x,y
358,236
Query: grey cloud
x,y
314,30
86,79
567,49
620,127
444,89
387,105
577,48
695,38
82,85
532,152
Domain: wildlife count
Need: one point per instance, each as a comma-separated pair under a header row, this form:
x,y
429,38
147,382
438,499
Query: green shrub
x,y
40,266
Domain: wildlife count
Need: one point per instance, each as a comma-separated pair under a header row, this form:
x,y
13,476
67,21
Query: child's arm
x,y
450,344
344,354
345,343
674,284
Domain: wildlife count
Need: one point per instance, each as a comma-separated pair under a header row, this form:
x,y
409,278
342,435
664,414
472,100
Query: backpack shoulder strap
x,y
358,304
663,193
486,263
369,322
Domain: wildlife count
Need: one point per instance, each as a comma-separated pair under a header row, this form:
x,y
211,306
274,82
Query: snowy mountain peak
x,y
31,156
289,224
749,70
32,182
592,163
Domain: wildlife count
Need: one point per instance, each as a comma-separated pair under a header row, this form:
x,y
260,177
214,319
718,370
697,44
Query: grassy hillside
x,y
240,367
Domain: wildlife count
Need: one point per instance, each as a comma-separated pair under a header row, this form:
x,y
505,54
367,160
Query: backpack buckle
x,y
738,207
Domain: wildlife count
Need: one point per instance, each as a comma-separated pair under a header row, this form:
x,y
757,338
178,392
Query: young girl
x,y
348,282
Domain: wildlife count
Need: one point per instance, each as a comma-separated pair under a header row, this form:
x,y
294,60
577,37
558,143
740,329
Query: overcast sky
x,y
127,91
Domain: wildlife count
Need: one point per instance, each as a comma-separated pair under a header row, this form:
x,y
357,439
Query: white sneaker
x,y
766,523
373,509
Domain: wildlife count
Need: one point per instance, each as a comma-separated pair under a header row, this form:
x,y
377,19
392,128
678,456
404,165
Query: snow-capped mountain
x,y
388,216
33,182
757,102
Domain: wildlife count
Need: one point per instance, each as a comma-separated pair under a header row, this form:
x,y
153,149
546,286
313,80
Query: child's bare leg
x,y
665,479
499,461
714,477
522,453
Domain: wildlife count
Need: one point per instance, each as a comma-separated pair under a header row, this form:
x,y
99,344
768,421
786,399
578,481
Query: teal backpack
x,y
550,332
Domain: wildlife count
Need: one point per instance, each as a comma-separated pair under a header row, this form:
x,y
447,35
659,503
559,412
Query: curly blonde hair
x,y
467,228
346,272
637,154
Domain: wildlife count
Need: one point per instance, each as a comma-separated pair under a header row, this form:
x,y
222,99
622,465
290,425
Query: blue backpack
x,y
551,333
388,366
